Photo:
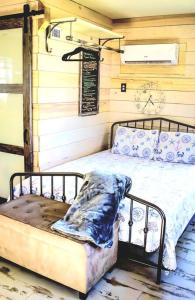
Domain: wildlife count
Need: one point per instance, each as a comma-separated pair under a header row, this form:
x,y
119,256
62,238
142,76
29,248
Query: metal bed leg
x,y
148,206
160,258
158,279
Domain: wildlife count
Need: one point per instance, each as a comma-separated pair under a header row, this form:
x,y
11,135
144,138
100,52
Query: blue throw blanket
x,y
94,211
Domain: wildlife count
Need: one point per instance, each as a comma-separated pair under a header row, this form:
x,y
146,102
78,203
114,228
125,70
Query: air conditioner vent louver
x,y
150,54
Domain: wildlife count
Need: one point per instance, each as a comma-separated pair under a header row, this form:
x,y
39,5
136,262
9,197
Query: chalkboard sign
x,y
89,81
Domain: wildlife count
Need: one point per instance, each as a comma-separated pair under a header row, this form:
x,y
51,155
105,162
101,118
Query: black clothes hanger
x,y
67,56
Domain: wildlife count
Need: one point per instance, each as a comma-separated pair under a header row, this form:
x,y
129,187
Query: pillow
x,y
135,142
176,147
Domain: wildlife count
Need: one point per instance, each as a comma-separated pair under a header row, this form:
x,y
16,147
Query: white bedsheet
x,y
171,186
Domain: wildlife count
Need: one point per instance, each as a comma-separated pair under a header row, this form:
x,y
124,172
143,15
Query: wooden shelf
x,y
85,27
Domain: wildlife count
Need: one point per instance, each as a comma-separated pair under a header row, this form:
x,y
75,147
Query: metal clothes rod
x,y
96,46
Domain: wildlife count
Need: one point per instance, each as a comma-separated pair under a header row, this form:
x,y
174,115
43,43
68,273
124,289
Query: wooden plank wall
x,y
177,82
60,134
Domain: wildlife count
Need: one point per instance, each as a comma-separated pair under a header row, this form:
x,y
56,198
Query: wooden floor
x,y
127,282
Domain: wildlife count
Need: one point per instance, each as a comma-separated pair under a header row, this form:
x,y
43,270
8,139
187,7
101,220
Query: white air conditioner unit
x,y
150,54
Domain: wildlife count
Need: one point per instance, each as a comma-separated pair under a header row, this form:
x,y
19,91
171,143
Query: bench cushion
x,y
35,210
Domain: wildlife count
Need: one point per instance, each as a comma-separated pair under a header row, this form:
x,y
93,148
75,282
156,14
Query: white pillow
x,y
135,142
176,147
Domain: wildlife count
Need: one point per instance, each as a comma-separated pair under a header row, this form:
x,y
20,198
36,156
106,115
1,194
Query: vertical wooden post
x,y
27,90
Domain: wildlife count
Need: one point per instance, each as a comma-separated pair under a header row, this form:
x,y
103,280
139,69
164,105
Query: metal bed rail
x,y
133,199
161,124
148,206
29,175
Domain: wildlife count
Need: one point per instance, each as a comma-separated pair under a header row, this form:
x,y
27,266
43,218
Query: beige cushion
x,y
35,210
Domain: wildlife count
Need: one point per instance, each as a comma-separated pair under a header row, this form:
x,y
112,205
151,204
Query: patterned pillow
x,y
176,147
135,142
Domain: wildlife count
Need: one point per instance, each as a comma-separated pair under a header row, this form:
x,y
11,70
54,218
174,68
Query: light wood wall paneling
x,y
190,71
105,82
177,82
58,95
105,70
49,111
35,50
35,128
35,44
172,84
191,44
162,32
36,161
116,116
177,110
51,63
55,79
177,97
107,56
55,140
70,123
56,87
190,57
104,93
73,151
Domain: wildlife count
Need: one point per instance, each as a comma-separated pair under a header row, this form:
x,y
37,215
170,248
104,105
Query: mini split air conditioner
x,y
150,54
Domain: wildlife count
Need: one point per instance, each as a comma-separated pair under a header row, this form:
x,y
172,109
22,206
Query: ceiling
x,y
118,9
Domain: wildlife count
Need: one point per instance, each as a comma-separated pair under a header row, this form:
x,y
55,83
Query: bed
x,y
168,190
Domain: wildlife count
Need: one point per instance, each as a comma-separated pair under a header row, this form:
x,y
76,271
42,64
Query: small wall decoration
x,y
89,83
149,98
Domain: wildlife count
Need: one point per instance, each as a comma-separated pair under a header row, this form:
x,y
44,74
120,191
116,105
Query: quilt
x,y
92,214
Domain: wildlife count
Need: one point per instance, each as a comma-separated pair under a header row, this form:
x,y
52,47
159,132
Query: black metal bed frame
x,y
162,124
152,123
52,175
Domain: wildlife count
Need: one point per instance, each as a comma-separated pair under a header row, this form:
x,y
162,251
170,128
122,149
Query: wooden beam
x,y
11,23
11,149
156,21
13,2
15,6
27,92
63,8
11,88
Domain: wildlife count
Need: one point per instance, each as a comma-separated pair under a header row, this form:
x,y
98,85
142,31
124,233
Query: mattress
x,y
171,186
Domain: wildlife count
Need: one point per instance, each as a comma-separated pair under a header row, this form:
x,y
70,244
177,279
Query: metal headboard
x,y
152,123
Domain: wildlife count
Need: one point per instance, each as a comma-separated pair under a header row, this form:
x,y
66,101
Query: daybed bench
x,y
168,189
27,240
